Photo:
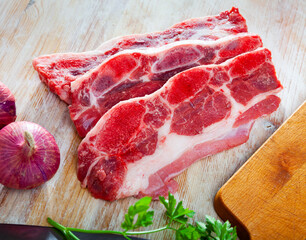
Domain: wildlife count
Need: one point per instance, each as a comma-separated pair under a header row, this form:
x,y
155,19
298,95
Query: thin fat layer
x,y
154,175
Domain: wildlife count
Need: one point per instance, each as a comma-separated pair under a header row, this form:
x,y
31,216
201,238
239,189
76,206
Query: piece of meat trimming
x,y
136,73
140,144
58,70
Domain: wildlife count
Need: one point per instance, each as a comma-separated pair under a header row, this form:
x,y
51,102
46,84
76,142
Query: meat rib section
x,y
139,145
57,71
136,73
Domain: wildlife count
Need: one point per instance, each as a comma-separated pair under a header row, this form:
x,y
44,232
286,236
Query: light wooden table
x,y
32,28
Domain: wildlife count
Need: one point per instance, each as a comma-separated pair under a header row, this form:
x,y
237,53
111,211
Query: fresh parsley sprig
x,y
138,215
144,217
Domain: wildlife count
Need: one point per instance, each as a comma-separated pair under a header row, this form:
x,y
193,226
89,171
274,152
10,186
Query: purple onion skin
x,y
24,167
7,106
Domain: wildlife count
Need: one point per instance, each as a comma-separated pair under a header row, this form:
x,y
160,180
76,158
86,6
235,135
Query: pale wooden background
x,y
31,28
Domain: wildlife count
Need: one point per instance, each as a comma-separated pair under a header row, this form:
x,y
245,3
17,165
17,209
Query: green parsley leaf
x,y
202,230
220,231
144,217
180,213
188,232
169,204
176,213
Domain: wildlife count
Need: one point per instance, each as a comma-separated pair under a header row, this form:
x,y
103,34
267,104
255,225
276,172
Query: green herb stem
x,y
56,225
148,231
64,230
93,231
72,236
67,229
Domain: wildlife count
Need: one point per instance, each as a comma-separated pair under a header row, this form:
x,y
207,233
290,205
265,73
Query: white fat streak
x,y
217,31
160,49
84,183
114,41
45,59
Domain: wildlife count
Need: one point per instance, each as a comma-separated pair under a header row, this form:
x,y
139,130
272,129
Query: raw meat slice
x,y
140,144
59,70
135,73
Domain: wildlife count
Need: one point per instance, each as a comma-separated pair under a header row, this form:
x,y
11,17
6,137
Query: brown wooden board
x,y
266,198
29,28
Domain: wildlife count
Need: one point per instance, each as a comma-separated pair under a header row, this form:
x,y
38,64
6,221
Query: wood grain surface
x,y
266,198
32,28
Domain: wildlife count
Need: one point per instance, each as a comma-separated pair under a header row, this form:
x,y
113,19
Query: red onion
x,y
7,106
29,155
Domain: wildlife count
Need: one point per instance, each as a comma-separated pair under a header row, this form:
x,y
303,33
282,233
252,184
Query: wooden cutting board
x,y
266,198
29,28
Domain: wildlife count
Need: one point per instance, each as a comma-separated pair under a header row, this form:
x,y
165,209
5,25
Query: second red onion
x,y
7,106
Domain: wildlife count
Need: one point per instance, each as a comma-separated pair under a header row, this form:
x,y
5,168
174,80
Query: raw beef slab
x,y
136,73
139,145
57,71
